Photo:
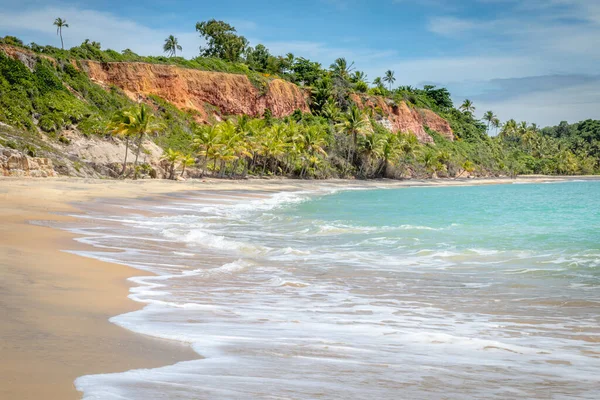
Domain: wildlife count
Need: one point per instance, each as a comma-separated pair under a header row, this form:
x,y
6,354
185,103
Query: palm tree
x,y
60,23
141,122
207,140
171,46
467,106
389,78
496,124
389,151
341,68
171,156
489,117
359,76
378,82
509,129
186,161
354,122
120,125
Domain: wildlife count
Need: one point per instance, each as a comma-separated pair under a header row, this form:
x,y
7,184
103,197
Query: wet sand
x,y
55,306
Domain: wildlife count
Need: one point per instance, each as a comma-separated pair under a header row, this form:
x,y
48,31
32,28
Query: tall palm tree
x,y
467,106
489,117
207,140
171,46
60,23
141,122
496,124
354,123
389,78
120,125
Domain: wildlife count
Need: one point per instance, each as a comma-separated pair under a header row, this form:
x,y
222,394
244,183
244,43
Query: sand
x,y
55,306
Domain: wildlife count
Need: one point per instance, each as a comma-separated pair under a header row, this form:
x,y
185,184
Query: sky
x,y
531,60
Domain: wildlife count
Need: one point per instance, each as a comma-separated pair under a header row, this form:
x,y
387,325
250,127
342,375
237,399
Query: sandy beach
x,y
55,305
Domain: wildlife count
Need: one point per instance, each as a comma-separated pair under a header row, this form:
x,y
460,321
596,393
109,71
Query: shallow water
x,y
416,293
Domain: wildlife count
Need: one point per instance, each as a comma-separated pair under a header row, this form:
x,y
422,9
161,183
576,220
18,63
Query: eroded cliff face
x,y
232,94
401,117
15,163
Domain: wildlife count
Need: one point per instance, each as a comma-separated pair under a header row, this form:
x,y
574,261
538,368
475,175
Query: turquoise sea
x,y
479,292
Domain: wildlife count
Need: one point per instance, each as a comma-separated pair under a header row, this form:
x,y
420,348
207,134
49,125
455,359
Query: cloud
x,y
533,59
570,103
112,31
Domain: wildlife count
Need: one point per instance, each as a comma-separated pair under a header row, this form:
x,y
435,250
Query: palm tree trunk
x,y
183,170
126,154
137,154
62,46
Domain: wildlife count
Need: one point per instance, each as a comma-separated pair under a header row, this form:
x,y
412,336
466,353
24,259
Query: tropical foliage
x,y
337,139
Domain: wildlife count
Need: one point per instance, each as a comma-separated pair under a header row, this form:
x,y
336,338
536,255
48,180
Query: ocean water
x,y
483,292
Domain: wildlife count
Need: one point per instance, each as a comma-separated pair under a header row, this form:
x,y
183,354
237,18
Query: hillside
x,y
228,118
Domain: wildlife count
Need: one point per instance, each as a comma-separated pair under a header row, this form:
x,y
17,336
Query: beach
x,y
56,305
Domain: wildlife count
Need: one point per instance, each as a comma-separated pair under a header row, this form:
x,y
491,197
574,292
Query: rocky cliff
x,y
401,117
15,163
232,94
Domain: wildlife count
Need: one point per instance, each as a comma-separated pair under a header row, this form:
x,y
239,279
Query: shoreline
x,y
56,305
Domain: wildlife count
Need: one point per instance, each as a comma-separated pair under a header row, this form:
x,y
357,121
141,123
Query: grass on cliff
x,y
92,51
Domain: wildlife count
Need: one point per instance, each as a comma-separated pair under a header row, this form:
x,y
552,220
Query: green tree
x,y
341,68
171,157
120,125
489,118
354,123
141,121
221,40
258,57
467,107
389,78
171,46
60,24
186,161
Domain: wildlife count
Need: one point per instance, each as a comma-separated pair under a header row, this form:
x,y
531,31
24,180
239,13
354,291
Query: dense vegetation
x,y
336,139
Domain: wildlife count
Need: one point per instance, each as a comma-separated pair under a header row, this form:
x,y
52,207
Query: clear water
x,y
417,293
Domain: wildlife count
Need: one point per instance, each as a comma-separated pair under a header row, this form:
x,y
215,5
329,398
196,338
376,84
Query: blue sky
x,y
534,60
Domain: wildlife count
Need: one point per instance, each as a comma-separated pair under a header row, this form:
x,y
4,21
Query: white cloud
x,y
548,108
112,31
531,38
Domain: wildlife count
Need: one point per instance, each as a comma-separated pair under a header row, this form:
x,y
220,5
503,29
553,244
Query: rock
x,y
15,163
401,117
229,94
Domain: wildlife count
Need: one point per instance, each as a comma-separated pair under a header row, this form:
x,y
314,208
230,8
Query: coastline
x,y
57,304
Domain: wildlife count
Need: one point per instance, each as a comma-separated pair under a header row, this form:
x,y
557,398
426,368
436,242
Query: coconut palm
x,y
60,23
359,76
140,122
354,123
186,161
510,128
467,107
171,46
496,124
341,68
120,125
378,82
489,117
389,151
172,157
206,141
389,78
